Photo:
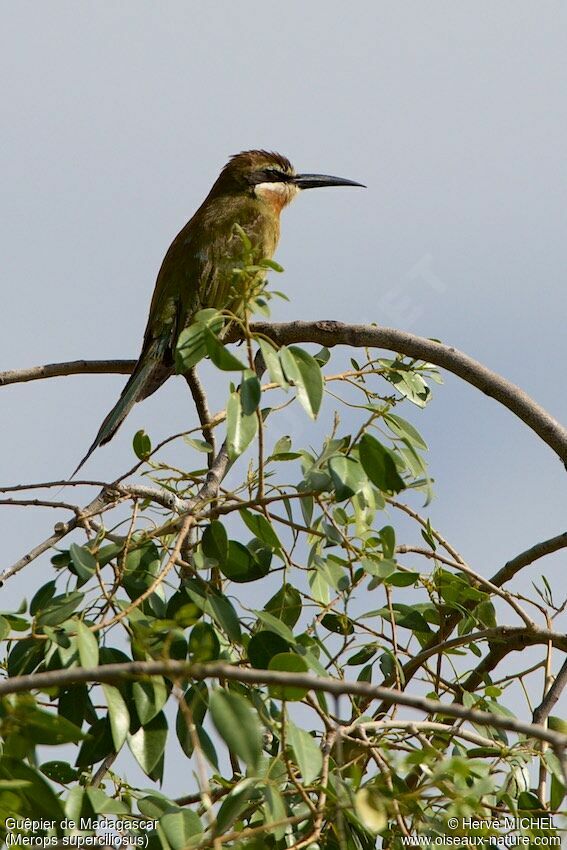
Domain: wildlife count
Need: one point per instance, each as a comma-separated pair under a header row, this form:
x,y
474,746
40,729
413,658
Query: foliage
x,y
295,564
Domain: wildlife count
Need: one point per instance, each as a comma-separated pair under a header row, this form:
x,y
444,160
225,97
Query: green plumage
x,y
196,273
251,190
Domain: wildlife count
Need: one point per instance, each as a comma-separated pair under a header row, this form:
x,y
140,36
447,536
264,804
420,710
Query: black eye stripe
x,y
271,175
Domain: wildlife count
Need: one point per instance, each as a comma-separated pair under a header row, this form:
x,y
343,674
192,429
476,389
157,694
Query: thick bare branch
x,y
524,559
72,367
331,333
220,670
542,712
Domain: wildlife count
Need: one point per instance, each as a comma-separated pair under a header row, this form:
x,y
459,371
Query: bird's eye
x,y
275,175
269,175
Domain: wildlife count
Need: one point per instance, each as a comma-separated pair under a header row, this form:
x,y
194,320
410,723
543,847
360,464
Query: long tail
x,y
148,375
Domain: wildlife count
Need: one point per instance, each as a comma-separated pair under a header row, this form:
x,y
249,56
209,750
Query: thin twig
x,y
202,406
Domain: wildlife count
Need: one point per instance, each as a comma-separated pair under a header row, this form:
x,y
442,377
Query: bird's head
x,y
271,178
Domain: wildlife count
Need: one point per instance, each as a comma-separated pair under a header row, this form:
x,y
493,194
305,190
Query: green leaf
x,y
285,605
263,646
141,567
101,804
304,373
486,614
98,745
203,643
118,714
261,528
218,606
244,238
197,701
59,771
407,618
363,656
528,802
271,264
34,793
242,565
402,428
211,318
150,697
142,445
275,810
388,539
25,656
557,724
238,725
191,348
307,754
275,625
83,561
557,793
215,541
323,356
5,628
148,743
348,476
288,662
182,829
199,445
370,809
41,598
75,803
379,568
281,446
44,727
401,579
183,610
60,609
87,644
340,624
409,384
379,465
241,428
223,613
221,356
250,393
235,803
273,365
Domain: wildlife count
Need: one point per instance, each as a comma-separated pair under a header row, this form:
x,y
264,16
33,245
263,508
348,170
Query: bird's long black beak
x,y
314,181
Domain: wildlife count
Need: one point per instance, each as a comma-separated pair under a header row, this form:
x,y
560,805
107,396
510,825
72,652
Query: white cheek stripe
x,y
286,189
280,188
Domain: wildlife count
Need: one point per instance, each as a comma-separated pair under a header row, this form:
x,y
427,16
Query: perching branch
x,y
524,559
331,333
113,673
72,367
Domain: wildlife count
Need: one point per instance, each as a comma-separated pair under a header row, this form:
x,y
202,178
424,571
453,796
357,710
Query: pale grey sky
x,y
117,116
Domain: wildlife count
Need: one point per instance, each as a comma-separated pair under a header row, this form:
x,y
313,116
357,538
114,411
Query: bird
x,y
197,270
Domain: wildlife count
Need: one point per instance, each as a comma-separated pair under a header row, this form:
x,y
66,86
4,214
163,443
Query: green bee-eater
x,y
251,190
